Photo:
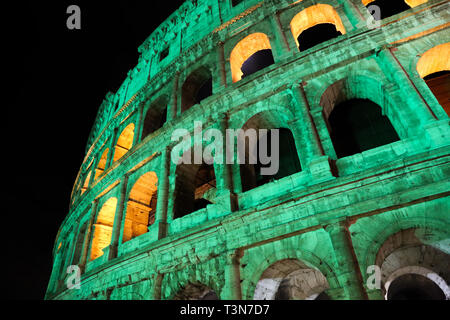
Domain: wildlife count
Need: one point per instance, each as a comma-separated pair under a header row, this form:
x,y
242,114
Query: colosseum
x,y
359,93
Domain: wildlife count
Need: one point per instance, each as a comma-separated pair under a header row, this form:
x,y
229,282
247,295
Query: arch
x,y
101,164
389,8
86,183
411,3
125,142
195,187
358,125
290,279
246,48
79,245
103,228
196,291
275,126
405,253
141,206
198,86
314,15
434,60
155,117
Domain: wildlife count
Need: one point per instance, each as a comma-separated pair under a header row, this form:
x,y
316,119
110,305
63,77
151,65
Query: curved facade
x,y
364,175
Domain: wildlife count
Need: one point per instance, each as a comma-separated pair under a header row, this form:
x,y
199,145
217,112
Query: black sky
x,y
57,80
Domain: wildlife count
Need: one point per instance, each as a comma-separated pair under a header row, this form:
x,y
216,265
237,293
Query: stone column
x,y
232,274
119,219
139,124
163,194
280,47
221,74
172,108
88,238
112,149
347,267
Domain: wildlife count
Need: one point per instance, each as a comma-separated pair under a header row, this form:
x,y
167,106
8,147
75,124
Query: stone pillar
x,y
163,194
232,274
280,46
172,108
224,183
221,74
88,238
417,108
347,267
119,219
139,124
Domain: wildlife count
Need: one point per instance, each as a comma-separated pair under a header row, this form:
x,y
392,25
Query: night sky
x,y
58,81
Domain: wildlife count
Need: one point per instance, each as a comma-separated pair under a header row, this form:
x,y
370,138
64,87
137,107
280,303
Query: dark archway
x,y
196,291
289,162
358,125
194,188
414,287
316,35
198,86
388,8
155,117
439,84
258,61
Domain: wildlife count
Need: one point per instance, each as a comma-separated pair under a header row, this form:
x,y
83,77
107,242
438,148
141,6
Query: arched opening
x,y
434,68
388,8
414,266
291,279
195,188
141,207
125,142
414,287
198,86
358,125
79,245
101,164
256,62
316,35
267,133
315,25
155,117
86,183
103,228
196,291
249,49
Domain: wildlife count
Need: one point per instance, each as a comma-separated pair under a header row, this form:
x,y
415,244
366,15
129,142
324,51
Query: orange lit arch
x,y
245,49
125,142
141,206
311,16
103,228
434,60
101,164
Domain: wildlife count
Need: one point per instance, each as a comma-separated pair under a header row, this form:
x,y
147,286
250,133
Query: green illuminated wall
x,y
335,216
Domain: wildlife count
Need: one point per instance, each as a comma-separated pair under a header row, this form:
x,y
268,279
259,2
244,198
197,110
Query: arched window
x,y
155,117
358,125
198,86
434,68
316,24
79,245
253,53
291,279
388,8
125,142
103,228
195,188
252,174
141,207
101,164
